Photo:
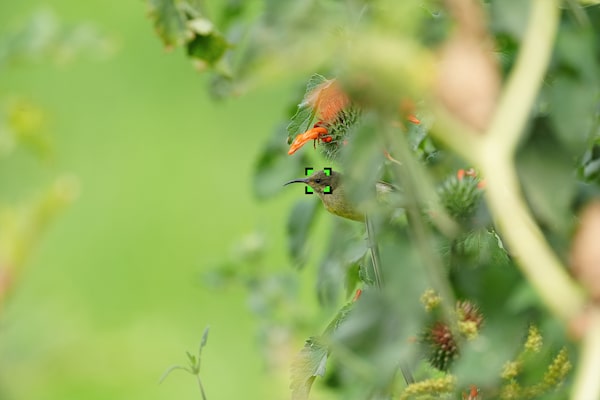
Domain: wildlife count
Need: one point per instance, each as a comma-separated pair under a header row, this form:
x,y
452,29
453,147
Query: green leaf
x,y
311,360
573,104
510,16
339,318
303,118
204,339
346,247
307,365
169,22
549,186
273,164
299,225
209,47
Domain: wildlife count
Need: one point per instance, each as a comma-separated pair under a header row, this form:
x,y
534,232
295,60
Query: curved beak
x,y
304,180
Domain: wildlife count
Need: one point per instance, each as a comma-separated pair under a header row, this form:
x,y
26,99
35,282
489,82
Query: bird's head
x,y
321,182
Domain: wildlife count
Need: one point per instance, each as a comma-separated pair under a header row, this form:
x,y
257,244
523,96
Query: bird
x,y
329,186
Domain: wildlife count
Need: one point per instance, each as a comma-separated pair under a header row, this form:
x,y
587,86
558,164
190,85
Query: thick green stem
x,y
496,159
525,241
494,153
587,384
526,78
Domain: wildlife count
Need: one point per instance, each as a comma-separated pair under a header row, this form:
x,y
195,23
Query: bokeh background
x,y
113,293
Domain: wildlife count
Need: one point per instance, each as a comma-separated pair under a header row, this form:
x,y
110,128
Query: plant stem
x,y
526,242
526,78
496,159
201,387
587,384
374,250
494,152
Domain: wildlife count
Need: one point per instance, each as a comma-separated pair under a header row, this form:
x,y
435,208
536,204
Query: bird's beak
x,y
304,180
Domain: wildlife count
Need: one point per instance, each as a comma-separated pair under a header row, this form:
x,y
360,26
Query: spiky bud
x,y
442,347
470,319
461,196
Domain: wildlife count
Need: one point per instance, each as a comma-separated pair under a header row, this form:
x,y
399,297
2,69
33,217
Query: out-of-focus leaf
x,y
549,186
344,250
307,365
574,104
273,164
379,328
362,160
45,37
510,16
482,360
311,360
208,47
169,22
576,49
299,225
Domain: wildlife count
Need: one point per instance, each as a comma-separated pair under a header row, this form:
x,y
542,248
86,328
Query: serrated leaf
x,y
307,365
311,360
339,318
298,227
169,22
302,119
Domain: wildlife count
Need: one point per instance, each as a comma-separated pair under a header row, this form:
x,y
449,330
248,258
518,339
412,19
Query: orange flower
x,y
301,139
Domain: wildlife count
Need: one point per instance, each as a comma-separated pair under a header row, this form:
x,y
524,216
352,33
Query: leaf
x,y
573,103
302,119
339,318
344,250
209,47
171,369
273,164
298,227
311,360
204,339
510,16
169,22
541,178
307,365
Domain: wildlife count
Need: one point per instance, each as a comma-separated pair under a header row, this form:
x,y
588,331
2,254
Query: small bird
x,y
329,187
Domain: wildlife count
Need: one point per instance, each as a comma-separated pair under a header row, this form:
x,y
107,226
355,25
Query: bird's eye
x,y
317,181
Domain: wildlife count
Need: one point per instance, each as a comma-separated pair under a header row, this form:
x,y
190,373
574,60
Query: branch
x,y
587,384
537,260
494,152
525,80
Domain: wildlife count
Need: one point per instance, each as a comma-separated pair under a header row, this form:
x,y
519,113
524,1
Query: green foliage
x,y
307,366
184,23
489,237
44,37
299,223
305,115
194,362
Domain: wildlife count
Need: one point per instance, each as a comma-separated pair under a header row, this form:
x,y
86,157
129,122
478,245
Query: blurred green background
x,y
113,294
